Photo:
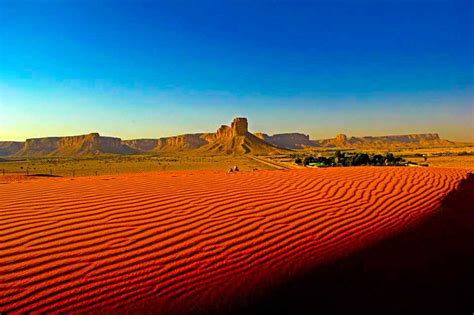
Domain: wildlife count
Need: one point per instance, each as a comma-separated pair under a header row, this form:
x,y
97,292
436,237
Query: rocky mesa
x,y
236,139
412,140
301,141
287,140
8,148
233,139
90,144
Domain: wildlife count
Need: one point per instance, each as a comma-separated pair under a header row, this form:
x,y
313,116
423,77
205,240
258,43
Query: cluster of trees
x,y
352,159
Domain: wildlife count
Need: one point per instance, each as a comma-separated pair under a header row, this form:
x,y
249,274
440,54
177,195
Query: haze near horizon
x,y
156,69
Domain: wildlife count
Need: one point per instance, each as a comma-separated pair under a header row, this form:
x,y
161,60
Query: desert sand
x,y
195,241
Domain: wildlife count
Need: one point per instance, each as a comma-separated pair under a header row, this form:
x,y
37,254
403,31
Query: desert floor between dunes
x,y
206,241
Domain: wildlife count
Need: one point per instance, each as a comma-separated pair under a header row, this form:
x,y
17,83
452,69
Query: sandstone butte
x,y
191,242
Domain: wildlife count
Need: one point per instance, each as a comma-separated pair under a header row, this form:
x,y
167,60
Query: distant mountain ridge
x,y
300,141
424,139
233,139
287,140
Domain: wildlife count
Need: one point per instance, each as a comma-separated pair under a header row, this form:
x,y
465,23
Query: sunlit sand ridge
x,y
187,241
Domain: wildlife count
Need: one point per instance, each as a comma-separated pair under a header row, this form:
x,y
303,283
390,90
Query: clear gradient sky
x,y
151,69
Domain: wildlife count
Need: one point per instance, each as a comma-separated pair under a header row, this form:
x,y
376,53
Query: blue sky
x,y
150,69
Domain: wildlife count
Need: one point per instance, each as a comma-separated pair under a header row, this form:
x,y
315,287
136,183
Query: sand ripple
x,y
185,241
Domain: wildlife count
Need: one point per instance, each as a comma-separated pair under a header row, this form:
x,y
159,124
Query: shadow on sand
x,y
426,270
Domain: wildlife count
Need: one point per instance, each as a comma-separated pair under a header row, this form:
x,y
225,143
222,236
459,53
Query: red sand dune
x,y
195,241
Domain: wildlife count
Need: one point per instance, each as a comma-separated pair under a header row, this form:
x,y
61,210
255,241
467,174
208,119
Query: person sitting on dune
x,y
236,168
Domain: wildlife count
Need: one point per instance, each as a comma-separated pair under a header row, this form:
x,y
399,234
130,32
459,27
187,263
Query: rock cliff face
x,y
239,126
90,144
412,140
287,140
175,143
341,140
427,138
236,139
223,132
142,145
233,139
8,148
182,142
300,141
